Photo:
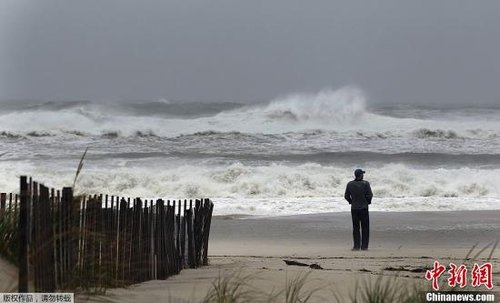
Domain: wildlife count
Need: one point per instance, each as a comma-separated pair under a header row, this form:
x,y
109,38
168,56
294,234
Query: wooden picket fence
x,y
96,242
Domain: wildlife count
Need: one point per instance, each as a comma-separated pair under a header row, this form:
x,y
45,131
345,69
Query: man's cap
x,y
358,172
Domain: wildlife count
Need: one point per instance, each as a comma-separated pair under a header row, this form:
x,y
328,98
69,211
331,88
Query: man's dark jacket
x,y
359,194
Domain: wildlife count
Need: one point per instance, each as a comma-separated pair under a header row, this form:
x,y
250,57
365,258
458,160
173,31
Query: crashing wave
x,y
344,105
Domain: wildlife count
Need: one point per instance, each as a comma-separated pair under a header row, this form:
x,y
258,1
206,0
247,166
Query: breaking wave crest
x,y
343,111
345,105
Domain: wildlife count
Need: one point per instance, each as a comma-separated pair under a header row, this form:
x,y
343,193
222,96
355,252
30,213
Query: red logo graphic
x,y
457,275
434,274
481,275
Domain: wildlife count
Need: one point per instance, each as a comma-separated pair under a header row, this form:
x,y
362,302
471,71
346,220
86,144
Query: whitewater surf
x,y
288,156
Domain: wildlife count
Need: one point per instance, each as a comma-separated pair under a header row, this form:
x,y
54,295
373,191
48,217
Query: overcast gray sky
x,y
442,51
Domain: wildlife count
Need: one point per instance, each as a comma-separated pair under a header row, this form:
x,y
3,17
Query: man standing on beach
x,y
359,194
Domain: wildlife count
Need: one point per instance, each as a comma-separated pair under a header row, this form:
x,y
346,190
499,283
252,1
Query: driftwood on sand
x,y
296,263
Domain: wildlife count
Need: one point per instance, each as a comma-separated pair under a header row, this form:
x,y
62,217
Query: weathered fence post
x,y
3,199
136,240
23,236
190,235
159,240
122,239
183,235
99,239
206,230
116,236
68,242
35,243
45,242
171,255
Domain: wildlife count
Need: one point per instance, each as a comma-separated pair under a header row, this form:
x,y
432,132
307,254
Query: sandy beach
x,y
256,247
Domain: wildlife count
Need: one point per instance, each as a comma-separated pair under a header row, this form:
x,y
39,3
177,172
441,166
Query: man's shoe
x,y
355,248
365,248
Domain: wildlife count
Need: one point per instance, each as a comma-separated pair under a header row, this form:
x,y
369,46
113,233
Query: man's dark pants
x,y
360,217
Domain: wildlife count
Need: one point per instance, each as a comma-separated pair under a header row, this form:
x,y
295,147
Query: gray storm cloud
x,y
411,52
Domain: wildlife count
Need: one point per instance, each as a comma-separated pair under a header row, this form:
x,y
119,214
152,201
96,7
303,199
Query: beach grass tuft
x,y
234,287
231,288
9,230
295,289
80,167
383,290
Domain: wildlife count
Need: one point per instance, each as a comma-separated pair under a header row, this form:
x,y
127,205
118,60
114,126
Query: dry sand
x,y
258,246
8,277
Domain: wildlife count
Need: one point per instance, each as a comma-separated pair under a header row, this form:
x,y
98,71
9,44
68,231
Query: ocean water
x,y
288,156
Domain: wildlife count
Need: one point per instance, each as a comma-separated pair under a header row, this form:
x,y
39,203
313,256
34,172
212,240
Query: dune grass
x,y
80,167
9,231
233,287
385,289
